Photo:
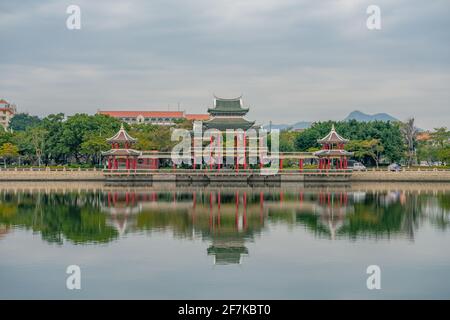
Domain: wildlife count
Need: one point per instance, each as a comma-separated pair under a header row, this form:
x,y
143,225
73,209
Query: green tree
x,y
444,155
388,134
23,121
440,136
366,149
92,146
37,137
8,151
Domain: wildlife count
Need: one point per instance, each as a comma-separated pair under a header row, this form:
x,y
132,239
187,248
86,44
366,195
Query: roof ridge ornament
x,y
332,136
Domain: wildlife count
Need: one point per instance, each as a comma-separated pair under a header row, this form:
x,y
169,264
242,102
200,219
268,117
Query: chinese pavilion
x,y
228,114
333,153
121,155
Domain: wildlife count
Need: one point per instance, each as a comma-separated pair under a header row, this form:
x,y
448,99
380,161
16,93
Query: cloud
x,y
293,60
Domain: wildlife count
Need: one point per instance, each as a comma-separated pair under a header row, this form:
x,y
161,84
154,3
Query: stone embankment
x,y
51,175
98,175
402,176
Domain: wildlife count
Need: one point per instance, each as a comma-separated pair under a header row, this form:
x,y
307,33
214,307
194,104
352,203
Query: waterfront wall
x,y
97,175
402,176
47,175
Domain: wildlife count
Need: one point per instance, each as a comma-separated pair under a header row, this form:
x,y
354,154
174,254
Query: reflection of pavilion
x,y
228,250
227,219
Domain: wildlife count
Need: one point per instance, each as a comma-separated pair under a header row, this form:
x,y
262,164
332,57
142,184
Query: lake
x,y
281,242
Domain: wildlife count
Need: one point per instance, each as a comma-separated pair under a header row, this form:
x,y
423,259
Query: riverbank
x,y
98,175
402,176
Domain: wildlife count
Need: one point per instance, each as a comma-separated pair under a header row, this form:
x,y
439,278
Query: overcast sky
x,y
292,60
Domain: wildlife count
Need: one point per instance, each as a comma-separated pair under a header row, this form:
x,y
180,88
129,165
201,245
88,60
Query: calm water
x,y
241,243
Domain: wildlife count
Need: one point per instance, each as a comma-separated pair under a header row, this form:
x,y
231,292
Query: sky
x,y
291,60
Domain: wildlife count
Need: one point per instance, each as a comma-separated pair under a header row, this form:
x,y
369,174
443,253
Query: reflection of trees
x,y
438,211
72,216
227,220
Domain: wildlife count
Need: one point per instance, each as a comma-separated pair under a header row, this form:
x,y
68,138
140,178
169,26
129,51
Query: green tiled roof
x,y
228,123
224,106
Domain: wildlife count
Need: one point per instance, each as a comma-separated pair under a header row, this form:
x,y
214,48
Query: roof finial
x,y
332,127
121,126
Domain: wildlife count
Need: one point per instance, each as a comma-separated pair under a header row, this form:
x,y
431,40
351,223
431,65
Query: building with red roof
x,y
153,117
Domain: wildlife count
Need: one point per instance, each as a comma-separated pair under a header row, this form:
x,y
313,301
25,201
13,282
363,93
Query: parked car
x,y
358,166
394,167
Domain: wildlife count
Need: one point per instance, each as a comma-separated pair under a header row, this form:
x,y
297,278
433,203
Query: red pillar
x,y
109,163
236,216
281,163
245,154
127,164
245,211
300,164
236,153
219,159
210,153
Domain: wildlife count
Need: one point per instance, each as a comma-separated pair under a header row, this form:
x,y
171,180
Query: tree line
x,y
79,139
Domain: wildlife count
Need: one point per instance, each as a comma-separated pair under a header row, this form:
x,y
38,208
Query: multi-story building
x,y
7,111
153,117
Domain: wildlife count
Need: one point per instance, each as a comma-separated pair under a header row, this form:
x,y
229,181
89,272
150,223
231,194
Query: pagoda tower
x,y
121,155
333,154
228,114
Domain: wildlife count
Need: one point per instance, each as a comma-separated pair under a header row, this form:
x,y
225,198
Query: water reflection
x,y
227,219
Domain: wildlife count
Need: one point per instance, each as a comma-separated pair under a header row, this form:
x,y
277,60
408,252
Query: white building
x,y
7,111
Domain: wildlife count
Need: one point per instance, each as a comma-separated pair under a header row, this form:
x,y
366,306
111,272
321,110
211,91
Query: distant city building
x,y
153,117
7,111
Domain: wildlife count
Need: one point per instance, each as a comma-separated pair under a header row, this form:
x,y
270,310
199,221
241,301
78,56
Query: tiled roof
x,y
149,114
197,116
228,123
122,152
223,106
333,136
331,153
3,101
121,136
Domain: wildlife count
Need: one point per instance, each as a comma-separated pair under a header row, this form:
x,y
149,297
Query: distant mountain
x,y
355,115
296,126
364,117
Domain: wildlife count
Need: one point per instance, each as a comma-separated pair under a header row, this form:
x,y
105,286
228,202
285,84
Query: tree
x,y
23,121
444,155
440,136
92,147
288,140
366,148
387,133
409,131
8,151
37,138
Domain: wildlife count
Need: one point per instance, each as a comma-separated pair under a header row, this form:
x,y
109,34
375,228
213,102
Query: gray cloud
x,y
293,60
